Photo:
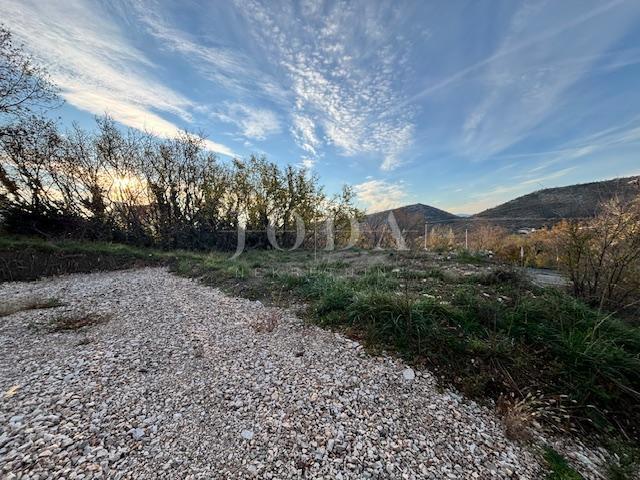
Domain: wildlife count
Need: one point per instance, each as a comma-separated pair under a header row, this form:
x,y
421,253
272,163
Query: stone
x,y
408,374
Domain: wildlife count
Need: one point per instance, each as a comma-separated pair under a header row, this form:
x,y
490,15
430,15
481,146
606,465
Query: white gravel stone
x,y
172,381
408,374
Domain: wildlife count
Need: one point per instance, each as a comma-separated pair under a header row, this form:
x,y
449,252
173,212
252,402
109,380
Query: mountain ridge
x,y
541,207
411,217
582,200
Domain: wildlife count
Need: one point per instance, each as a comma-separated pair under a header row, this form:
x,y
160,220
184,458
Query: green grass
x,y
626,464
559,468
537,340
465,256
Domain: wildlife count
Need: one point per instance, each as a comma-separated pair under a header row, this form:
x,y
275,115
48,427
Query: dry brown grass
x,y
28,303
519,416
71,321
523,416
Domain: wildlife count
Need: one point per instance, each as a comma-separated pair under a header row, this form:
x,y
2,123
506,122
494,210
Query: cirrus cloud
x,y
97,69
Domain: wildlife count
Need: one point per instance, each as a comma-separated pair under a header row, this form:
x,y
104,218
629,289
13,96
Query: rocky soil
x,y
178,380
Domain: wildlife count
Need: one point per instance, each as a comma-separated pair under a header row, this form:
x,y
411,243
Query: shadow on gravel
x,y
30,303
76,321
30,264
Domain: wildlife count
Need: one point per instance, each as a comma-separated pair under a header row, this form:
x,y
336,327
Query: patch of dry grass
x,y
71,321
29,303
523,416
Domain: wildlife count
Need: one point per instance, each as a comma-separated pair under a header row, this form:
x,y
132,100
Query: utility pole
x,y
426,231
466,239
315,244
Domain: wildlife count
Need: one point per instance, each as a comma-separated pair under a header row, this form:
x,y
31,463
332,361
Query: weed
x,y
504,276
558,466
465,256
625,464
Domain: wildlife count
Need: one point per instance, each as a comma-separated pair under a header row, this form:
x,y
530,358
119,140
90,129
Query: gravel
x,y
180,383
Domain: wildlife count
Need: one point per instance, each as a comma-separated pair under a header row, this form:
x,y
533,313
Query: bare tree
x,y
602,256
25,87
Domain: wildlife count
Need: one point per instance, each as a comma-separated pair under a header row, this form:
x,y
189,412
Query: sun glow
x,y
126,188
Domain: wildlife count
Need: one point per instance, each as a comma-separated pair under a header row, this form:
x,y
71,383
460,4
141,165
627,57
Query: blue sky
x,y
458,104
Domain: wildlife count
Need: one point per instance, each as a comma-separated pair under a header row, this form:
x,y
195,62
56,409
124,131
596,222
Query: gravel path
x,y
185,382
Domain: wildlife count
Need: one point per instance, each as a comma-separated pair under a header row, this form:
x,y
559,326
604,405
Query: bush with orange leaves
x,y
602,256
534,250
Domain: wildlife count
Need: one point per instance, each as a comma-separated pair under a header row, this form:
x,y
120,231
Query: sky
x,y
460,104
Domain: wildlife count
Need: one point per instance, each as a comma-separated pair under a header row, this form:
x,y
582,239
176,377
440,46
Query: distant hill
x,y
574,201
410,217
537,209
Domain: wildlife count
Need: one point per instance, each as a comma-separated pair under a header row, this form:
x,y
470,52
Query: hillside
x,y
574,201
410,217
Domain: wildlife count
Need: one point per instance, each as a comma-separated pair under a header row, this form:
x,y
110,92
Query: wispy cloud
x,y
517,46
227,67
623,134
344,79
376,195
307,163
254,123
541,91
304,132
522,87
95,66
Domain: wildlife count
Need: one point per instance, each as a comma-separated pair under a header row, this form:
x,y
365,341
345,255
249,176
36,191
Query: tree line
x,y
133,187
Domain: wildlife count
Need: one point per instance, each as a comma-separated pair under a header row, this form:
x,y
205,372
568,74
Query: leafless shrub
x,y
602,256
441,239
487,238
24,85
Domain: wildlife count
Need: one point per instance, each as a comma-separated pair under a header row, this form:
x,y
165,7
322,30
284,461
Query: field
x,y
546,359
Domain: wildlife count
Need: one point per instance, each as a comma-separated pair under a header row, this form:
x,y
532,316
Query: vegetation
x,y
496,340
628,455
147,191
485,329
547,356
139,189
24,85
75,321
602,256
560,469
